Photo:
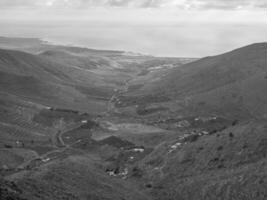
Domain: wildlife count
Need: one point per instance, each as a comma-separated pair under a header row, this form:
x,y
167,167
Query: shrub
x,y
148,185
8,146
235,122
137,172
220,148
191,138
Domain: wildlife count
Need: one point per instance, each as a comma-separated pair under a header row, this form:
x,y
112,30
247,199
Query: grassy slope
x,y
219,166
46,82
230,164
76,177
231,84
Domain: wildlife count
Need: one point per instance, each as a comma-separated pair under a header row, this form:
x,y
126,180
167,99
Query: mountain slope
x,y
230,164
231,84
21,63
75,177
214,72
49,82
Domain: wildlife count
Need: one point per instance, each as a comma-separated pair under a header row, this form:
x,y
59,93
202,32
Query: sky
x,y
181,28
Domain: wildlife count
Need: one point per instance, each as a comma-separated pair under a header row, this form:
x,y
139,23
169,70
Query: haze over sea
x,y
185,33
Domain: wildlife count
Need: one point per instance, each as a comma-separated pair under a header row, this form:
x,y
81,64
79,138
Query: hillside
x,y
42,81
56,117
230,164
231,84
79,123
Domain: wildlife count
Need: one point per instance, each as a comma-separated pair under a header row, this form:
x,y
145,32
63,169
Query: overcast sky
x,y
192,28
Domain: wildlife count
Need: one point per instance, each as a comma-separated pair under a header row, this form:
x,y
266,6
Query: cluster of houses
x,y
189,137
117,173
122,172
205,119
182,124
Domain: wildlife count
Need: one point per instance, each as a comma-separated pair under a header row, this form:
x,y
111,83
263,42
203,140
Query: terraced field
x,y
79,124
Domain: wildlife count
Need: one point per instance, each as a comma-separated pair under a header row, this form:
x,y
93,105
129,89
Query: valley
x,y
78,123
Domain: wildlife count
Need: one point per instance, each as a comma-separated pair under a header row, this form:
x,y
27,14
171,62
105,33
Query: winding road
x,y
110,105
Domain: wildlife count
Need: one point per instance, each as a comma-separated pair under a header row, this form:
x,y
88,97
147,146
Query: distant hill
x,y
230,164
50,95
232,84
36,46
38,79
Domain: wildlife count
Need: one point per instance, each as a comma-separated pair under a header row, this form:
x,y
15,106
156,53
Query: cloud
x,y
181,4
16,3
222,4
136,3
189,28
